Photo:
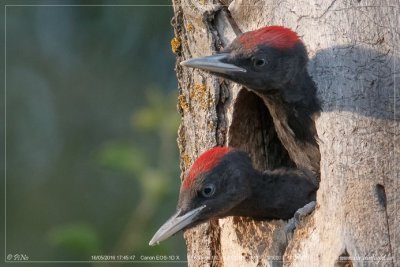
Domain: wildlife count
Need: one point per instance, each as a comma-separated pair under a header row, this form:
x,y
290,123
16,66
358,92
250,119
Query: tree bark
x,y
354,60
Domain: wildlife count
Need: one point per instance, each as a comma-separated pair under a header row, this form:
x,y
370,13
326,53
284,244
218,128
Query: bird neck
x,y
293,110
277,194
260,204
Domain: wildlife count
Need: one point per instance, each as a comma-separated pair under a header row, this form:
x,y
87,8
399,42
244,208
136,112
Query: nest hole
x,y
252,130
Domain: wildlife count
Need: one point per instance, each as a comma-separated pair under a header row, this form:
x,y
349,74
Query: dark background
x,y
91,122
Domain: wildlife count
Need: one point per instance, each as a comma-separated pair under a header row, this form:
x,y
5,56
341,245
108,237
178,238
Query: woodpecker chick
x,y
222,182
272,62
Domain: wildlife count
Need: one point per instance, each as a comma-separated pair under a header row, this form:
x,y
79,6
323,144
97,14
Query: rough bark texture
x,y
354,52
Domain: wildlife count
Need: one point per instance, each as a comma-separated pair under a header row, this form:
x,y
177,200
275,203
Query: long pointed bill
x,y
212,63
174,225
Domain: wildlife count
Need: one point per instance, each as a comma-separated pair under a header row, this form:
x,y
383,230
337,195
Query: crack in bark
x,y
327,9
221,130
387,223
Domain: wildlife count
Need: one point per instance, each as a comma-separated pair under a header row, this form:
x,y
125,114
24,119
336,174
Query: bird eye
x,y
208,190
259,62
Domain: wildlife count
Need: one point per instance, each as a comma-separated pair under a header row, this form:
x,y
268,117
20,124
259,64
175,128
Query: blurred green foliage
x,y
92,161
80,238
121,156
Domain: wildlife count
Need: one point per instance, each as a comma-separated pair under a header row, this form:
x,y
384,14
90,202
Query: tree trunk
x,y
354,60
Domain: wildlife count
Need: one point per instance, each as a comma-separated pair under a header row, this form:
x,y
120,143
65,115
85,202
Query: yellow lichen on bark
x,y
175,45
199,94
183,104
186,160
189,27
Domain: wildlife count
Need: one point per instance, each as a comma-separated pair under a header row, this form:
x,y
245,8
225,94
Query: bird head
x,y
216,183
267,59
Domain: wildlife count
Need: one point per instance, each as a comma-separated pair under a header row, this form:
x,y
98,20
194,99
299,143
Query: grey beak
x,y
174,225
212,63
